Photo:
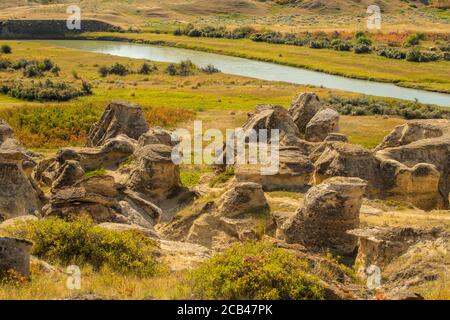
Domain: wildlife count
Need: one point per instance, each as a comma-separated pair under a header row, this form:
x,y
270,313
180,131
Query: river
x,y
254,69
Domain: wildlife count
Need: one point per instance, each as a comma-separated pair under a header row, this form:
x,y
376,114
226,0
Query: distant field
x,y
168,101
429,76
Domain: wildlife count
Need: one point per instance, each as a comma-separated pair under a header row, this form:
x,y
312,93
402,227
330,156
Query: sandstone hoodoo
x,y
294,172
347,160
415,162
19,194
104,201
324,122
154,174
330,209
245,197
15,256
407,256
236,216
119,117
273,117
303,108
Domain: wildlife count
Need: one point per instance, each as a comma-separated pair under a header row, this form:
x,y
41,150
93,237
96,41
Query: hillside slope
x,y
310,13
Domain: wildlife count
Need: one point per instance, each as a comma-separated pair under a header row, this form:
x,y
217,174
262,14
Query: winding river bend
x,y
254,69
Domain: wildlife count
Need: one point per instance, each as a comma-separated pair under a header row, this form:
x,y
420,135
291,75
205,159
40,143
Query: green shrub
x,y
370,106
341,45
414,39
5,49
391,53
185,68
45,91
415,55
32,71
56,70
5,64
81,242
119,69
209,69
147,69
103,71
362,49
256,271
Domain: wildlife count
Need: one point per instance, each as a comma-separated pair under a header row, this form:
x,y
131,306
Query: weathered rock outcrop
x,y
415,163
153,173
243,198
19,194
8,143
294,173
236,216
103,200
406,256
275,117
340,159
119,117
15,255
324,122
157,136
70,164
329,211
303,108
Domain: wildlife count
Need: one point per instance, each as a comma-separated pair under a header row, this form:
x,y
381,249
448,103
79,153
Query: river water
x,y
254,69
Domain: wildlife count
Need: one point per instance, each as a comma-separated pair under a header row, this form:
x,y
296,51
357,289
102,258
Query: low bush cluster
x,y
81,242
31,68
120,69
185,68
258,271
415,55
45,91
366,106
361,42
391,52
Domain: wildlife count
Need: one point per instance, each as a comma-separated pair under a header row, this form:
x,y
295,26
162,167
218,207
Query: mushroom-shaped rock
x,y
153,172
119,117
323,123
303,108
329,211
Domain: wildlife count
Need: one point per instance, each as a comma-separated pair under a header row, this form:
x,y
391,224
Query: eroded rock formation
x,y
330,209
119,117
15,255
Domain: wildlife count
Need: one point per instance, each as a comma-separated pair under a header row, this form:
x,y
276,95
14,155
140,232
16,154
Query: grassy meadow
x,y
167,100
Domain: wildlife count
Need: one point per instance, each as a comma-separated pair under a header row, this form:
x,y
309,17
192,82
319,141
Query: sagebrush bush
x,y
256,271
5,49
363,106
209,69
185,68
81,242
44,91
